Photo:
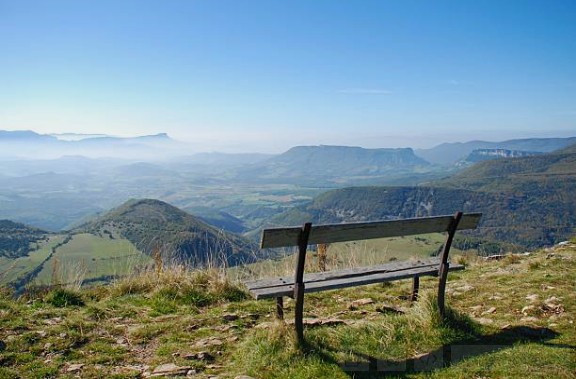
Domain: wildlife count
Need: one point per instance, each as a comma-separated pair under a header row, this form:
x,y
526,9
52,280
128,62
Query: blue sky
x,y
251,75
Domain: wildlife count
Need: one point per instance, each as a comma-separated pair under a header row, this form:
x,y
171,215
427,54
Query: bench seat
x,y
323,281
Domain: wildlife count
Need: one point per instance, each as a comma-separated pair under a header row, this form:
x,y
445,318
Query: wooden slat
x,y
288,289
330,233
338,274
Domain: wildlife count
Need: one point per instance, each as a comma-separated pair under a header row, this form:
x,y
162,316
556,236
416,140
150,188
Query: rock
x,y
53,321
225,328
552,299
230,317
170,369
360,302
484,321
529,319
465,288
528,309
489,311
552,307
75,367
476,310
389,309
210,341
201,356
532,297
244,377
41,333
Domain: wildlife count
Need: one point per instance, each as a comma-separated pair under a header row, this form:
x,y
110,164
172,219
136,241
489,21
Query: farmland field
x,y
11,269
90,257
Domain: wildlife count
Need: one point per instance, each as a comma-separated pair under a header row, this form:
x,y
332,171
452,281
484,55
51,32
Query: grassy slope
x,y
90,257
11,269
509,318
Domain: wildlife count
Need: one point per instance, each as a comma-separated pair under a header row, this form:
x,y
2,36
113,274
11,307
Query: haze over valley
x,y
96,204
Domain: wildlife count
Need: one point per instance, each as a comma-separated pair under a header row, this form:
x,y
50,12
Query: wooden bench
x,y
323,281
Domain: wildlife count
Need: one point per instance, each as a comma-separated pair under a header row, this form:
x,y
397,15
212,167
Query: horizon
x,y
263,76
76,137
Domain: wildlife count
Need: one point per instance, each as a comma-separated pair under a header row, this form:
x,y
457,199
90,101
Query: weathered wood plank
x,y
288,289
330,233
327,275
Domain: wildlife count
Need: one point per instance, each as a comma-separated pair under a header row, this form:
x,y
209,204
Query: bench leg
x,y
415,288
280,308
299,312
443,275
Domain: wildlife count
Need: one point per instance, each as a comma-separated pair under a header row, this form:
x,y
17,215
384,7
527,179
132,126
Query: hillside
x,y
525,201
450,153
512,318
480,155
17,240
336,164
156,227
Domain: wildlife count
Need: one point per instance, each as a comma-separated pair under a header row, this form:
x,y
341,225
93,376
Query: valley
x,y
103,217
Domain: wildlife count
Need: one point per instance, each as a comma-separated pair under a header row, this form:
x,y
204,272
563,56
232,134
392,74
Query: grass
x,y
507,318
346,255
91,257
11,269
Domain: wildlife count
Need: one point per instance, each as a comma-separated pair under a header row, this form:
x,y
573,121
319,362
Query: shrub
x,y
62,298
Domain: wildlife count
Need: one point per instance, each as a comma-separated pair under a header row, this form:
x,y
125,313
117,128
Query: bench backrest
x,y
330,233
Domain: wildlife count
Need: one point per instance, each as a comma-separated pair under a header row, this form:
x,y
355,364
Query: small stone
x,y
532,297
465,288
528,309
484,321
489,311
389,309
63,335
230,317
75,367
552,299
360,302
529,319
201,356
211,341
170,369
552,307
41,333
244,377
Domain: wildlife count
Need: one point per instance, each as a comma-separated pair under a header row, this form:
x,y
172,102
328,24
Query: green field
x,y
87,257
11,269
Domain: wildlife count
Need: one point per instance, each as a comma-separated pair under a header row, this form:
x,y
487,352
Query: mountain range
x,y
450,153
525,201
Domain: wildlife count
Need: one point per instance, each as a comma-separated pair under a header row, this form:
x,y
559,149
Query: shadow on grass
x,y
476,344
